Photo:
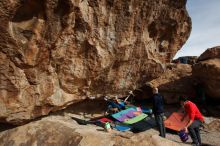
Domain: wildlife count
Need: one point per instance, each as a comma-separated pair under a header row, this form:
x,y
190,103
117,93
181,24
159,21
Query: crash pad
x,y
140,126
122,127
129,116
142,109
174,121
124,114
104,120
135,119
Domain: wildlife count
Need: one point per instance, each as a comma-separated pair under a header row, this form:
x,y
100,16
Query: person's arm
x,y
191,117
186,128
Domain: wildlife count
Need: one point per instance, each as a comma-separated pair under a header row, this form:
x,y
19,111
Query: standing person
x,y
158,111
196,120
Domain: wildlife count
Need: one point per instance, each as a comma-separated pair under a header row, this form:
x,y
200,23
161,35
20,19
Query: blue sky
x,y
205,33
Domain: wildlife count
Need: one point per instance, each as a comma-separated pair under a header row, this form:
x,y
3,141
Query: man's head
x,y
182,100
155,90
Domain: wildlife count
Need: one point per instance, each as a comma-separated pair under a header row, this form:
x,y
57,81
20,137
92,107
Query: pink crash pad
x,y
174,121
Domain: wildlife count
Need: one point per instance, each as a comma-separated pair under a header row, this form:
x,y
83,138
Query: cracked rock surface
x,y
57,52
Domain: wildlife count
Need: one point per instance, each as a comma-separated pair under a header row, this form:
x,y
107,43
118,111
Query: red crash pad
x,y
104,120
174,121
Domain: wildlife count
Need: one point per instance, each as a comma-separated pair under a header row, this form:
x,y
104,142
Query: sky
x,y
205,32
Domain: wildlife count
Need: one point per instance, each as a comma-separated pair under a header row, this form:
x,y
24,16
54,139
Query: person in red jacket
x,y
196,120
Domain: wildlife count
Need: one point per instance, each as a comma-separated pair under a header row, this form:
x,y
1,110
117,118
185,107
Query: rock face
x,y
175,81
41,134
57,131
207,71
57,52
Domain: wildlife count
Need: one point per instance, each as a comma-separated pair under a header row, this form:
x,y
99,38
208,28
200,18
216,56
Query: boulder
x,y
207,71
210,53
57,52
186,60
176,81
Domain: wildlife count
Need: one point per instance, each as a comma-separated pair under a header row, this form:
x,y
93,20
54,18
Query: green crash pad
x,y
135,119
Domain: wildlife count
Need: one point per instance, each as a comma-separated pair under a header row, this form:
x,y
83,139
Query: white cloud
x,y
205,27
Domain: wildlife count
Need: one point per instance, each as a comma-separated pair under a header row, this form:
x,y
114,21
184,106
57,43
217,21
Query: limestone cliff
x,y
57,52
